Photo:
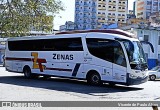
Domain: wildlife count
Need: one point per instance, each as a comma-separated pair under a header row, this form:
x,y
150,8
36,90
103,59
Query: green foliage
x,y
18,18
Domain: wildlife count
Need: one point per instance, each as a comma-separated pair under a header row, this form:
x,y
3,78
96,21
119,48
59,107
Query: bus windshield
x,y
135,53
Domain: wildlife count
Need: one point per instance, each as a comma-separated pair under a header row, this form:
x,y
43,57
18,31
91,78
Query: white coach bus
x,y
111,56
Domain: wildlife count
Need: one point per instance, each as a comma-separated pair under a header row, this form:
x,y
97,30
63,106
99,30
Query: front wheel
x,y
94,79
152,77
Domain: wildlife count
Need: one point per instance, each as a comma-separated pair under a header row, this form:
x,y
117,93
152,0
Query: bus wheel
x,y
152,77
94,79
27,72
46,77
112,84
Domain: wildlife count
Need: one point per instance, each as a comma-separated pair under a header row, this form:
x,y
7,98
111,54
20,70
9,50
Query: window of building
x,y
146,38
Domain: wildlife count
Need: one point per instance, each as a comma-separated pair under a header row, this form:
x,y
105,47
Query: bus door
x,y
119,64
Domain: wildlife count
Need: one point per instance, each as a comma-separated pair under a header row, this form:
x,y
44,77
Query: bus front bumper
x,y
136,81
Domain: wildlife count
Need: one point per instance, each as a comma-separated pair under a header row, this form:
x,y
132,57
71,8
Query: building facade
x,y
85,14
146,7
92,14
69,26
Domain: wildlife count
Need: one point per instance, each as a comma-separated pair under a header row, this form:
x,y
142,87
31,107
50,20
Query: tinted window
x,y
64,44
108,50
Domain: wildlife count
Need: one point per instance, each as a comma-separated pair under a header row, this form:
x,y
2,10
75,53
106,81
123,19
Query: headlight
x,y
132,76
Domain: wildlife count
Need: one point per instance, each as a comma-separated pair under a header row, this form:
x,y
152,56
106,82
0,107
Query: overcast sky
x,y
68,14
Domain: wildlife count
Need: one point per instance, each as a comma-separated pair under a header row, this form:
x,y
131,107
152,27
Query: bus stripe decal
x,y
76,69
59,69
21,59
39,60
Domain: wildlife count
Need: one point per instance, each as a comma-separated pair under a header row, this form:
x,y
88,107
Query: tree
x,y
19,17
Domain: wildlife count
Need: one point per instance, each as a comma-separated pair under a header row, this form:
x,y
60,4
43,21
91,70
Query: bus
x,y
98,56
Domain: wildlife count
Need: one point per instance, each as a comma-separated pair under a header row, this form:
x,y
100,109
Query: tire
x,y
94,79
46,77
112,84
28,74
152,77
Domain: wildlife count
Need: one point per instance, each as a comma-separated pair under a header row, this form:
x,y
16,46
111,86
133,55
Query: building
x,y
131,15
85,14
69,26
117,11
146,7
134,8
92,14
154,19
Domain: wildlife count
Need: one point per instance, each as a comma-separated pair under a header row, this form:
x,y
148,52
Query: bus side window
x,y
101,48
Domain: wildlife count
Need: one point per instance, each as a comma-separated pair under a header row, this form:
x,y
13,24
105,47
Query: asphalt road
x,y
14,87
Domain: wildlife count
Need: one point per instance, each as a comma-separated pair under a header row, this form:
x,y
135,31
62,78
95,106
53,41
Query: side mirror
x,y
151,46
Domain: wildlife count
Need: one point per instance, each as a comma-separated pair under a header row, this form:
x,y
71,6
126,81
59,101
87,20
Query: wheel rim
x,y
95,79
152,77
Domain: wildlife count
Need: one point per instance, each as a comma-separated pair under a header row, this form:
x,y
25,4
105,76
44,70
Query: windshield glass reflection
x,y
135,52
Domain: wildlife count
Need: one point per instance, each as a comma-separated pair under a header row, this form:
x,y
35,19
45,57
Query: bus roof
x,y
111,31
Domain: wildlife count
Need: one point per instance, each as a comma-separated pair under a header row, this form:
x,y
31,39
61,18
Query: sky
x,y
68,14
